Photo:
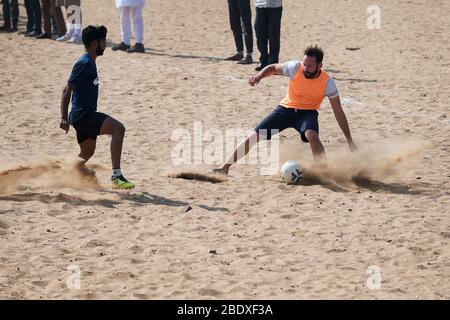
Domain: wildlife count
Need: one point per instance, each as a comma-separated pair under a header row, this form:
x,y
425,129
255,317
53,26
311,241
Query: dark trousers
x,y
34,16
267,28
47,7
11,13
241,23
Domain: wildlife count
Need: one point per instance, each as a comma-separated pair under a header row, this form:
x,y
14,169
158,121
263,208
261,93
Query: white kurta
x,y
130,3
131,10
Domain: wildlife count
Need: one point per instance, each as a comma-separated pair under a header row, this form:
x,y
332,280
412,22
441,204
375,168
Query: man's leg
x,y
138,25
277,121
117,130
87,149
125,27
60,23
29,16
15,14
125,30
262,35
246,18
241,151
316,145
6,16
274,27
45,5
37,16
235,26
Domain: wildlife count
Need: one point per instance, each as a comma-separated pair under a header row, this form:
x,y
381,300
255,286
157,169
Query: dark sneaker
x,y
137,48
44,35
260,66
236,57
246,60
5,28
32,34
122,47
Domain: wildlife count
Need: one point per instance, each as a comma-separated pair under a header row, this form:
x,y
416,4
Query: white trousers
x,y
126,14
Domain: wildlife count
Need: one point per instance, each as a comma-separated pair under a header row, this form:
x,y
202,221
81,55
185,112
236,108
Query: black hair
x,y
93,33
315,51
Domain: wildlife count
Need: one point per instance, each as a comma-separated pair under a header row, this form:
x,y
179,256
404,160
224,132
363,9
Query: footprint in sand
x,y
3,228
209,292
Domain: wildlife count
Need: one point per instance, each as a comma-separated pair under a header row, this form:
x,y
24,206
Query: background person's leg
x,y
46,18
14,14
136,14
138,24
246,17
274,28
235,26
261,36
125,27
29,11
59,17
37,16
6,16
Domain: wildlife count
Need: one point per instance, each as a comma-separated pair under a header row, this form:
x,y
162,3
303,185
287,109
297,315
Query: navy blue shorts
x,y
89,126
282,118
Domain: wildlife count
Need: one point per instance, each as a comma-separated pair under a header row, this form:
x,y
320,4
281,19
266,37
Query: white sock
x,y
116,173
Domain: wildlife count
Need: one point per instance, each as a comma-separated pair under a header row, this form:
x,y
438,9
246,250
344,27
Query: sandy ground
x,y
251,236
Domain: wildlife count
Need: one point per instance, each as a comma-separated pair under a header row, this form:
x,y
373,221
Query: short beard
x,y
309,75
99,51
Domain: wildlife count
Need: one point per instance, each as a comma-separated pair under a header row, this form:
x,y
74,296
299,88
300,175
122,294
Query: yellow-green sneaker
x,y
122,183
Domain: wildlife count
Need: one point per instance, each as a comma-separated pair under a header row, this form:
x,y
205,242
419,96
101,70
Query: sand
x,y
249,236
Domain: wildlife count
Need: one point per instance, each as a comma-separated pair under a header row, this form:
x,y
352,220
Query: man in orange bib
x,y
308,86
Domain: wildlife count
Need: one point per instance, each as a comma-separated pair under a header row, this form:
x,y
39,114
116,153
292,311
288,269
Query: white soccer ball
x,y
291,172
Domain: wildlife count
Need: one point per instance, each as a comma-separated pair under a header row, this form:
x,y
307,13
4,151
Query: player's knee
x,y
312,136
120,129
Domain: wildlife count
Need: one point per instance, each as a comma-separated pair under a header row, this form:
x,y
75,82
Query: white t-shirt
x,y
130,3
290,69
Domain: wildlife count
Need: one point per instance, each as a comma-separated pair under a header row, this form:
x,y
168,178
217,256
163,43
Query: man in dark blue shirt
x,y
82,87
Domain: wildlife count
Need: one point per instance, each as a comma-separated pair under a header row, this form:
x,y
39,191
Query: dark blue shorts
x,y
89,126
282,118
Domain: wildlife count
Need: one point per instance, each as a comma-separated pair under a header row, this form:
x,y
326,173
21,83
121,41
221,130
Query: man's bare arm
x,y
65,100
342,121
270,70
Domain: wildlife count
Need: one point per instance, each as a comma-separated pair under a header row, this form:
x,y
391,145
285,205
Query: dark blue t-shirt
x,y
85,79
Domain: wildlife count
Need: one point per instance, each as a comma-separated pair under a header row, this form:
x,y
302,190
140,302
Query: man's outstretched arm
x,y
342,121
270,70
